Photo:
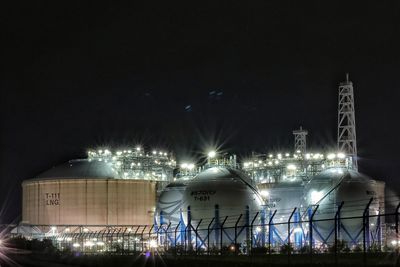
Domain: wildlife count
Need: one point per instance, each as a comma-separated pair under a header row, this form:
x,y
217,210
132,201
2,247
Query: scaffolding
x,y
138,163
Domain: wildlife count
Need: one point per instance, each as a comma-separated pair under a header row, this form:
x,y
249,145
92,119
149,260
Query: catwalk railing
x,y
264,232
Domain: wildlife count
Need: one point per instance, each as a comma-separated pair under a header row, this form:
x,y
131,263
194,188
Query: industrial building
x,y
136,198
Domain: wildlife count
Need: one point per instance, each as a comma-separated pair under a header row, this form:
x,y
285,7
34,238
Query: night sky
x,y
188,77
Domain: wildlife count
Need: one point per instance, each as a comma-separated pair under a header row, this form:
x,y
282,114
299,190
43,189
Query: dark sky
x,y
184,77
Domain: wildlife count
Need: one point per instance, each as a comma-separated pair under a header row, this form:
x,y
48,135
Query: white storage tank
x,y
170,203
332,186
216,193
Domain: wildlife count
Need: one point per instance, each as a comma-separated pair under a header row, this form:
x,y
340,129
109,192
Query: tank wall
x,y
88,202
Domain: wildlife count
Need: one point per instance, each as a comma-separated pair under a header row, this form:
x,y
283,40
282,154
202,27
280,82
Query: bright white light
x,y
316,196
341,155
264,193
153,243
119,153
308,156
394,242
331,156
287,155
297,230
76,245
291,167
138,148
154,152
270,155
298,151
88,244
100,243
212,154
53,228
258,229
69,239
190,166
184,165
279,156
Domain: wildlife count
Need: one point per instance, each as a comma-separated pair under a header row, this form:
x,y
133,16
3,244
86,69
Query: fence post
x,y
337,226
222,231
397,227
197,234
236,224
288,237
366,226
251,232
142,237
134,238
366,230
247,225
208,236
263,214
311,232
186,238
189,228
151,229
270,232
175,237
166,243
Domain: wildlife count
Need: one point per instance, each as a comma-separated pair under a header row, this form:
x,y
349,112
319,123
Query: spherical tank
x,y
336,185
283,197
220,193
83,192
169,203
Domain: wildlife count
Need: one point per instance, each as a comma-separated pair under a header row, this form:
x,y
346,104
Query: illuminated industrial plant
x,y
143,200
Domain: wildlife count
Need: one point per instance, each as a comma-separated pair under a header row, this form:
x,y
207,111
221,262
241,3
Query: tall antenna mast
x,y
347,142
300,140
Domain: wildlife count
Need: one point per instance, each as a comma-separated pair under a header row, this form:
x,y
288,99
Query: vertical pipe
x,y
217,224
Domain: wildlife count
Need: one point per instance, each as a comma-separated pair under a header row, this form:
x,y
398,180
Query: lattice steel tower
x,y
300,140
346,139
